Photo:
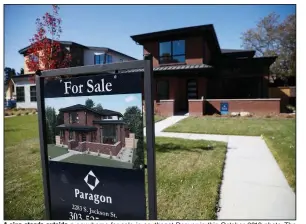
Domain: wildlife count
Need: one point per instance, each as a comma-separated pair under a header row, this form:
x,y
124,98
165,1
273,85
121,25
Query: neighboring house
x,y
80,55
193,74
86,129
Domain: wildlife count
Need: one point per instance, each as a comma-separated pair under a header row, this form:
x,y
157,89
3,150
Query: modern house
x,y
24,90
87,129
193,74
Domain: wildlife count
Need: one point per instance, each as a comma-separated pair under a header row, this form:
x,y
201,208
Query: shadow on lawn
x,y
170,147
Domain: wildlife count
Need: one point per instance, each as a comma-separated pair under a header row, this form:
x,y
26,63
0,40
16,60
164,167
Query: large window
x,y
33,93
73,117
109,134
109,59
162,89
172,52
20,93
99,59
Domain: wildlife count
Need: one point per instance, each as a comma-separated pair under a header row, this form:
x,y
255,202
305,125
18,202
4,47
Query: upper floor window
x,y
172,52
73,117
109,59
99,59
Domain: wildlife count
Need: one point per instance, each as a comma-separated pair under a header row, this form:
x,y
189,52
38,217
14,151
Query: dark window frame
x,y
171,52
17,94
76,116
33,98
166,96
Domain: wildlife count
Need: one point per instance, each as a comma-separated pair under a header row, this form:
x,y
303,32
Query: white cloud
x,y
130,99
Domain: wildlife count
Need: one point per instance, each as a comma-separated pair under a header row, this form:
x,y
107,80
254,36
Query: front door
x,y
192,89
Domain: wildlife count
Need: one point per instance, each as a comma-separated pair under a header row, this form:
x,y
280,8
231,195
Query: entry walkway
x,y
65,156
253,186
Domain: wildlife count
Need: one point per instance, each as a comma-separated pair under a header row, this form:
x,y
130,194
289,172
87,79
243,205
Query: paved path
x,y
65,156
163,124
253,186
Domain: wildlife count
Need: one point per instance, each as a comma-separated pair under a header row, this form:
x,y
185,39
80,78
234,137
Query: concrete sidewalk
x,y
163,124
253,185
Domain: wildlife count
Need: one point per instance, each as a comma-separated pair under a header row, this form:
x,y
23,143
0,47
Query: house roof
x,y
76,128
171,68
104,112
206,31
69,43
238,53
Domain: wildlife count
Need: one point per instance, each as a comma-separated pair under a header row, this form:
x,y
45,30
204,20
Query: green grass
x,y
55,151
16,131
279,134
96,161
188,175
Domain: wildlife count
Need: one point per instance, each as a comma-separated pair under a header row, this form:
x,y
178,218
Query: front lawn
x,y
279,134
55,151
96,161
188,175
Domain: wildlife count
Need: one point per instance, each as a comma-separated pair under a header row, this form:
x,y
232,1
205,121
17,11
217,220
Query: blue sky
x,y
112,26
117,102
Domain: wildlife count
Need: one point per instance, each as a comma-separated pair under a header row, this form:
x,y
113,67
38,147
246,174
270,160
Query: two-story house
x,y
193,74
87,129
24,90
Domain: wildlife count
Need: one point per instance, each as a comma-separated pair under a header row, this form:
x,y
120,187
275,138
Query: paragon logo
x,y
91,180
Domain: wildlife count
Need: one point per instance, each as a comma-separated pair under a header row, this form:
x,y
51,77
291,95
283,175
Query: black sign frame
x,y
147,66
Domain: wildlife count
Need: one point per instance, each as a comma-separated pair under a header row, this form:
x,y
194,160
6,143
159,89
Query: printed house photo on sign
x,y
103,130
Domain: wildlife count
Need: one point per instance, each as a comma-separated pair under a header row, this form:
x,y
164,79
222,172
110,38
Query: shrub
x,y
268,116
6,114
15,109
26,113
18,114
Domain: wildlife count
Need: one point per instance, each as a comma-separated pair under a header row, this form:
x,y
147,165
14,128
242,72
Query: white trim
x,y
196,100
170,100
260,99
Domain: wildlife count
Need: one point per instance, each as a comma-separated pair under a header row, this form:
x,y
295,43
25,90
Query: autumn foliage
x,y
45,51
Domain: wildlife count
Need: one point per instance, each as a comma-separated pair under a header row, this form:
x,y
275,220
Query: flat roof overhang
x,y
101,122
76,128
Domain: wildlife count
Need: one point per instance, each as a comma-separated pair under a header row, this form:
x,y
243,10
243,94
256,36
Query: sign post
x,y
91,140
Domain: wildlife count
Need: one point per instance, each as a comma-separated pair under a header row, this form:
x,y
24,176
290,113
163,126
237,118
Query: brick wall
x,y
98,147
196,107
194,50
164,107
72,144
256,106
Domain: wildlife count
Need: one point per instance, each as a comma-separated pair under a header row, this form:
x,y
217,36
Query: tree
x,y
21,71
98,107
133,118
45,51
89,103
274,38
8,74
51,124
